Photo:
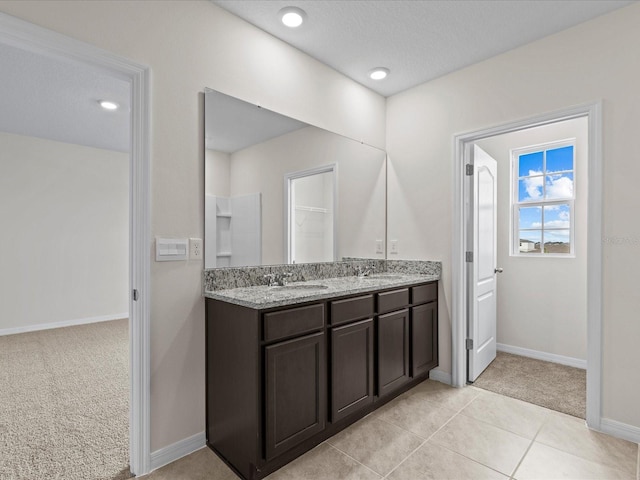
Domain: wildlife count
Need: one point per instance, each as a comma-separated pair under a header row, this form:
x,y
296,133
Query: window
x,y
542,199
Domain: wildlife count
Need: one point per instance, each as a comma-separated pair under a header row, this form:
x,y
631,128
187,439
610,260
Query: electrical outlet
x,y
394,247
379,246
195,248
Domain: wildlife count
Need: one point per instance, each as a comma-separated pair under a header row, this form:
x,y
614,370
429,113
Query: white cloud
x,y
557,224
533,186
559,187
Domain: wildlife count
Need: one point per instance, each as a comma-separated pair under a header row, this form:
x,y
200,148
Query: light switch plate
x,y
394,247
171,249
379,246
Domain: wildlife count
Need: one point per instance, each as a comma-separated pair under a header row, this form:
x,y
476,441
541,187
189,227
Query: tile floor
x,y
438,432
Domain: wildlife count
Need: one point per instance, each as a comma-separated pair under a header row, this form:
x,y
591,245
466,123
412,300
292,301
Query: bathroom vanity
x,y
289,366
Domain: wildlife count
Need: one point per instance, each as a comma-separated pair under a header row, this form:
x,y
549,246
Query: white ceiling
x,y
58,100
418,40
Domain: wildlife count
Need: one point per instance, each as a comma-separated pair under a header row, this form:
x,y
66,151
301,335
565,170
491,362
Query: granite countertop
x,y
260,297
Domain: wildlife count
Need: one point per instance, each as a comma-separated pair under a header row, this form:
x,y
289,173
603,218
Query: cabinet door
x,y
424,338
295,391
351,368
393,351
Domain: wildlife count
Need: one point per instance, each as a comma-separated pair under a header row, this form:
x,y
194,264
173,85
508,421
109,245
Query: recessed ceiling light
x,y
292,16
379,73
108,105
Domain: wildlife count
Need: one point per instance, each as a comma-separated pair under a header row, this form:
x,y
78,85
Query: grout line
x,y
405,459
499,427
423,443
471,459
462,454
528,449
354,459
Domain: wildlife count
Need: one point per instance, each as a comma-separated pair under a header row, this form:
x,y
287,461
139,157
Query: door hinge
x,y
134,294
469,343
469,257
469,169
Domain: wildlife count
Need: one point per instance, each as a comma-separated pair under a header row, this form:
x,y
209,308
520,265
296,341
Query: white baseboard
x,y
548,357
440,376
177,450
64,323
620,430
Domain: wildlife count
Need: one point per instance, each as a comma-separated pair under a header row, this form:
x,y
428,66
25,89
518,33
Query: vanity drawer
x,y
352,309
293,321
393,300
424,293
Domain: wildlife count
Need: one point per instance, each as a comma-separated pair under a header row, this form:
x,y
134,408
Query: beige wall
x,y
593,61
361,193
217,170
542,302
190,45
64,215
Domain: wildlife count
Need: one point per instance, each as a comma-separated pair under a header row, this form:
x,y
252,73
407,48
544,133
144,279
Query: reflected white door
x,y
482,307
310,204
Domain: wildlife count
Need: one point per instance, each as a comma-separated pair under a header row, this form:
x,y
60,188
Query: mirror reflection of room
x,y
249,154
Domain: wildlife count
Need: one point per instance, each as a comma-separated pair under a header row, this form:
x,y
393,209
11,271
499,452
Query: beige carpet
x,y
64,397
547,384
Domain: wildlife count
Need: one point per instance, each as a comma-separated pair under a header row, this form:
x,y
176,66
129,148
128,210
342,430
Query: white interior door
x,y
482,307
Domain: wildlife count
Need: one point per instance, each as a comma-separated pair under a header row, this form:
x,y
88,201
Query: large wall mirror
x,y
278,190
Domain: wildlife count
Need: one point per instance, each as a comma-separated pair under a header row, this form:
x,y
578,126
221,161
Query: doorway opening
x,y
465,226
26,36
310,204
540,336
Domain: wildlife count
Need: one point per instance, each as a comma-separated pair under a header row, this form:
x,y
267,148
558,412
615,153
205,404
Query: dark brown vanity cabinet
x,y
424,338
393,351
424,329
352,355
282,380
408,337
295,392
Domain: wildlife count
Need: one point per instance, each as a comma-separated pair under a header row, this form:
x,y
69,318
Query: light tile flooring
x,y
438,432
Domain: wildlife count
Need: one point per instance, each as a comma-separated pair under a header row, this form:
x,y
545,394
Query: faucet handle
x,y
280,279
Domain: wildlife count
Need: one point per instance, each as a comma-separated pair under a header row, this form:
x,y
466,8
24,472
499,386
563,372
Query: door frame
x,y
593,112
30,37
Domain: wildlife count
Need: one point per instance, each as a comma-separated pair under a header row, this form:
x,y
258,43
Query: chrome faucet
x,y
365,271
277,279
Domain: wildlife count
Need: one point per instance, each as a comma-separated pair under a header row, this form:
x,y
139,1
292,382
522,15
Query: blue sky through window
x,y
530,217
535,183
530,163
560,159
532,236
557,216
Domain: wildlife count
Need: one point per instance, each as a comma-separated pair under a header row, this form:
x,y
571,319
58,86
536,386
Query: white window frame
x,y
514,243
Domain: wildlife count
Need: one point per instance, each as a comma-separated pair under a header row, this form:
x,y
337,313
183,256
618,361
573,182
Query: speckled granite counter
x,y
260,297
